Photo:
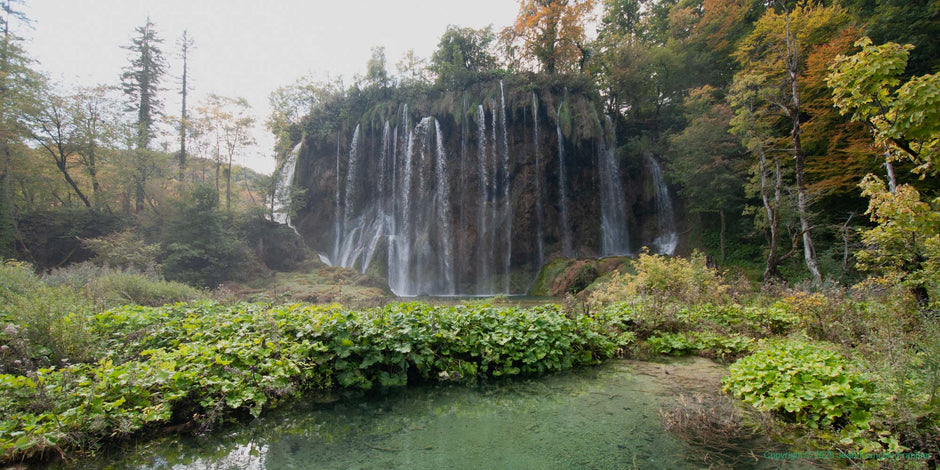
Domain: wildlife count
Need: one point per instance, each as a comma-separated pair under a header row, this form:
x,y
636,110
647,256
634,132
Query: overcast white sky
x,y
245,48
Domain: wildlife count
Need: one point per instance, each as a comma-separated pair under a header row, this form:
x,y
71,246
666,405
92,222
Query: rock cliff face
x,y
471,192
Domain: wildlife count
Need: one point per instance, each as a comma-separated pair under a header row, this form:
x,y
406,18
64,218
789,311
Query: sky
x,y
244,48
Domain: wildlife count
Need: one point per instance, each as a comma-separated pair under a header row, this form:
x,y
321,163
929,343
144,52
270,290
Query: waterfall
x,y
615,239
539,211
483,242
465,202
442,194
566,248
280,211
507,206
337,214
362,228
667,238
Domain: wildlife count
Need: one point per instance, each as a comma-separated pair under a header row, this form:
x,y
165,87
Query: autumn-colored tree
x,y
551,32
777,50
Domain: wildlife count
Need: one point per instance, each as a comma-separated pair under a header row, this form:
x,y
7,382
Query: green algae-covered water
x,y
605,417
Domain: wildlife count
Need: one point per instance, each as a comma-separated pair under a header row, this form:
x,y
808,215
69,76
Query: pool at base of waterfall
x,y
604,417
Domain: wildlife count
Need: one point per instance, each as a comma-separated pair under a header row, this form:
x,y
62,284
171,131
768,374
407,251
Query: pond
x,y
605,417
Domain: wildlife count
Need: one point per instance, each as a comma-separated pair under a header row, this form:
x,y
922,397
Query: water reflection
x,y
604,417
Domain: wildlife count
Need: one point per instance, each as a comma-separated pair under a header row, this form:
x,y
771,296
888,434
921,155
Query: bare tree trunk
x,y
721,237
845,243
802,202
771,272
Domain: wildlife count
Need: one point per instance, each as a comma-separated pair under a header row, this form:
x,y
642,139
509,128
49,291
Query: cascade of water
x,y
280,211
667,238
615,239
337,215
566,248
363,227
399,262
352,173
442,194
507,207
539,211
483,244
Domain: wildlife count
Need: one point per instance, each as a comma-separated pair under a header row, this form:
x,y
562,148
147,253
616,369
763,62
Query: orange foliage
x,y
552,32
840,150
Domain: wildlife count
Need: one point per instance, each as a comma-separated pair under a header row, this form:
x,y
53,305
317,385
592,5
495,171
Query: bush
x,y
661,278
701,342
47,326
118,289
125,250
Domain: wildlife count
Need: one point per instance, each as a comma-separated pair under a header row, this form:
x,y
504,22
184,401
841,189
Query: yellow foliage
x,y
684,279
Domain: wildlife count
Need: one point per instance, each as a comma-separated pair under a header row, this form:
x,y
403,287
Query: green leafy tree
x,y
18,82
198,248
55,131
412,70
225,125
376,70
915,22
462,55
905,119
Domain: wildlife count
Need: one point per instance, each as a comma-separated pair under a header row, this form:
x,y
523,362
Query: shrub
x,y
118,289
51,325
124,250
661,278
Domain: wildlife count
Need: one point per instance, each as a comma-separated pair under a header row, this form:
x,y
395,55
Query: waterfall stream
x,y
667,238
615,239
280,211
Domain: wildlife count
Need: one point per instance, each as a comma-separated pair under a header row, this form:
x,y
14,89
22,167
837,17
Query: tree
x,y
198,248
98,127
55,130
462,55
777,50
17,88
915,22
186,45
904,118
226,125
552,33
751,123
412,70
141,83
376,71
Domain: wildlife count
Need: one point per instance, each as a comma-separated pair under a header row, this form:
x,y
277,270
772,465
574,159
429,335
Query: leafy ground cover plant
x,y
813,386
206,363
